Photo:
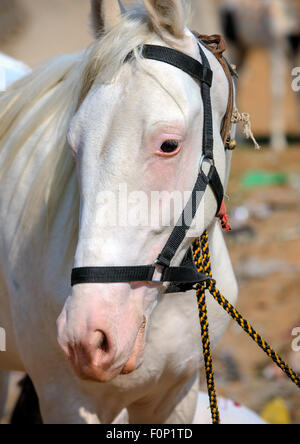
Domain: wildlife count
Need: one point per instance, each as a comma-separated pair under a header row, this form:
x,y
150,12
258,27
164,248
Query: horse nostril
x,y
103,342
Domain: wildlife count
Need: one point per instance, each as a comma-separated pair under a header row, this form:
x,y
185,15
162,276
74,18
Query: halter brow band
x,y
180,60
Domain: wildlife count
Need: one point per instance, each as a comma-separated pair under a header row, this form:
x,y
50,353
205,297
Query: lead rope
x,y
203,264
201,259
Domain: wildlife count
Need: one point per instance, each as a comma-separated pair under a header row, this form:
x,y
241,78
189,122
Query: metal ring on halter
x,y
203,159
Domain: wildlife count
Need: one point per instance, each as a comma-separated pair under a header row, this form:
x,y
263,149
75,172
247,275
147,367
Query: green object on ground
x,y
259,179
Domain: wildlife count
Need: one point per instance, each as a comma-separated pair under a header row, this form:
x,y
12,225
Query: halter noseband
x,y
184,277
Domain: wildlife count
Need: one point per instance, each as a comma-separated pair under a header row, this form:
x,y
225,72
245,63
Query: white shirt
x,y
10,71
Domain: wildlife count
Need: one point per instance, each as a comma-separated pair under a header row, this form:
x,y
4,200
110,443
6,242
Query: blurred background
x,y
263,37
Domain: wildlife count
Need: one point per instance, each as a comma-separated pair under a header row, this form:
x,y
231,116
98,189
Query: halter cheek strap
x,y
185,277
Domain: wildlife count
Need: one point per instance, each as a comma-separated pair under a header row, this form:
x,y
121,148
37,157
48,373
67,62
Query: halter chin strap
x,y
185,277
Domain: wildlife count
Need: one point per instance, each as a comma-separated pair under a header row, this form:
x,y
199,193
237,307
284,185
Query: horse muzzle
x,y
103,337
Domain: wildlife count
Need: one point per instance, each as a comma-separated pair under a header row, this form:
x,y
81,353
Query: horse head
x,y
137,134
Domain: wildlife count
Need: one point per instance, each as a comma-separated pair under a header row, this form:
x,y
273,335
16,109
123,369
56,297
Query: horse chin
x,y
137,355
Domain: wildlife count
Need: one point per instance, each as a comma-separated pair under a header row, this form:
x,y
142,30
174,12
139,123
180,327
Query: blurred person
x,y
11,18
273,25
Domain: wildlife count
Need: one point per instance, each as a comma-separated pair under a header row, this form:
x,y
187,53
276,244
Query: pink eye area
x,y
170,148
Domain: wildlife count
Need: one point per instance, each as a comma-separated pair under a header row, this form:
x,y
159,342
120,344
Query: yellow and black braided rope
x,y
198,258
253,334
203,264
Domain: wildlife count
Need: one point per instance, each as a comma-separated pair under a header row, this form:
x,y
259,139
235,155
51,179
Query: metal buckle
x,y
203,159
155,264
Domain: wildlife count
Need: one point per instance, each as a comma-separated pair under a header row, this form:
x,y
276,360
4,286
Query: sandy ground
x,y
270,302
269,299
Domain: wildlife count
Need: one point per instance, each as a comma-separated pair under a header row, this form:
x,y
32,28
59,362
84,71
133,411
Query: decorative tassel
x,y
223,216
245,120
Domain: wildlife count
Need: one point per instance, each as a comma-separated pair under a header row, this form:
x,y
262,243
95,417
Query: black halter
x,y
185,276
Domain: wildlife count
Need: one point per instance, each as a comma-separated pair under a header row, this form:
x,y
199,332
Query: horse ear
x,y
167,15
105,14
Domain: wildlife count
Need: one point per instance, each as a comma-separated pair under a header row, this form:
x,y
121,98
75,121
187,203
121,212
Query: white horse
x,y
82,124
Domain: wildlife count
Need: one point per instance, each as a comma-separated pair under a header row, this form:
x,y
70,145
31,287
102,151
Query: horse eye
x,y
170,146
